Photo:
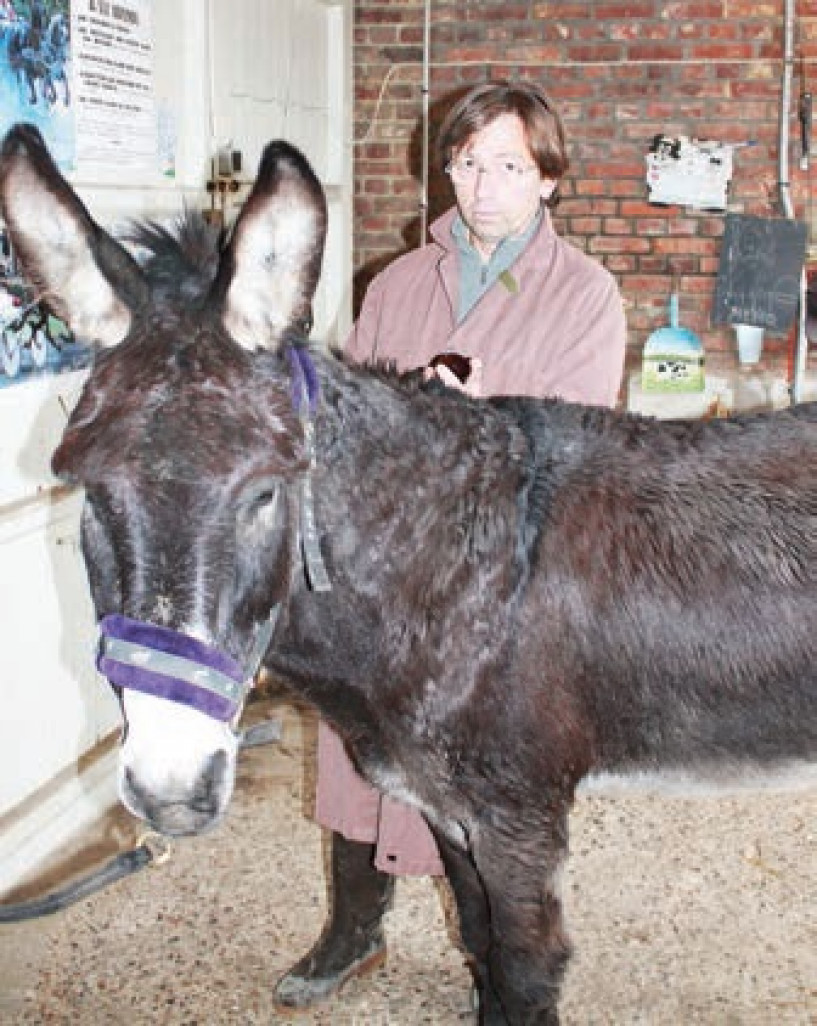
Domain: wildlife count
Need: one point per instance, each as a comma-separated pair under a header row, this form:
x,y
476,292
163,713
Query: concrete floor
x,y
682,910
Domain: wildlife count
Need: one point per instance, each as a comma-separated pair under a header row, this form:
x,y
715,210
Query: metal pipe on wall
x,y
784,187
783,183
425,126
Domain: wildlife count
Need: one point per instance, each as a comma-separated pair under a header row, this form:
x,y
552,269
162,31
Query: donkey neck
x,y
401,456
412,489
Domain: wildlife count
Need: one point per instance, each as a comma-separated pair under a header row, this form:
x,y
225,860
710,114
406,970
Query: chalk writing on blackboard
x,y
759,272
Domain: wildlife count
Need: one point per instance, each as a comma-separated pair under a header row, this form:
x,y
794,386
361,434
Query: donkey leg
x,y
529,948
473,911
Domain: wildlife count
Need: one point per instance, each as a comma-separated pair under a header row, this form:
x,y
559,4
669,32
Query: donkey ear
x,y
76,268
271,267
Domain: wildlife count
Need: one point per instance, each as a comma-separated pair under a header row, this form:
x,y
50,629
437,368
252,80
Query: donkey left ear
x,y
271,267
76,268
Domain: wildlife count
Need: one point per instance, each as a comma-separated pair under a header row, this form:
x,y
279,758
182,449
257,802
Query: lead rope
x,y
152,850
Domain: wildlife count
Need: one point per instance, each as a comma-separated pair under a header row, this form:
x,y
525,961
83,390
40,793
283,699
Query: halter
x,y
169,664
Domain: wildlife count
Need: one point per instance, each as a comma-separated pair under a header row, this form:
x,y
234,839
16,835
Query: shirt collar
x,y
507,249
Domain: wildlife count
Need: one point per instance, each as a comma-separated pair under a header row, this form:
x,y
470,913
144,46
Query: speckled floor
x,y
683,911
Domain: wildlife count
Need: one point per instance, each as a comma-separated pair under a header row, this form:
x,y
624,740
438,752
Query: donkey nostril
x,y
218,773
210,783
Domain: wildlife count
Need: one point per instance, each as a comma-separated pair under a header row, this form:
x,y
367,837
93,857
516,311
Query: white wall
x,y
268,84
249,71
54,708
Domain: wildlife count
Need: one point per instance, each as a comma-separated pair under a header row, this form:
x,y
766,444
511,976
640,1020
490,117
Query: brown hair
x,y
485,103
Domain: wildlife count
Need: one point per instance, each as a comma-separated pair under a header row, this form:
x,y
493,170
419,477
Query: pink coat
x,y
552,326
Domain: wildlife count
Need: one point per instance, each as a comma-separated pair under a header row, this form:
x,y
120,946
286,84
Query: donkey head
x,y
184,440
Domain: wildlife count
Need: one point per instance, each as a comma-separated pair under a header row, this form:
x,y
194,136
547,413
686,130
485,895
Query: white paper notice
x,y
113,82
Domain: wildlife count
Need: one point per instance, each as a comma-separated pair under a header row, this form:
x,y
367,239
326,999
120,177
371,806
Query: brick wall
x,y
620,72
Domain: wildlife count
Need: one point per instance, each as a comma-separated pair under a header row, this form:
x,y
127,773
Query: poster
x,y
35,86
32,340
82,72
116,123
35,72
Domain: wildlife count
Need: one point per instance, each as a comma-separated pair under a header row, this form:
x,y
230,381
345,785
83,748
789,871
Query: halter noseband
x,y
166,663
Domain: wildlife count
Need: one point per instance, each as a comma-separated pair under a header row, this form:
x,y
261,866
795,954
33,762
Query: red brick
x,y
558,10
650,226
604,244
721,51
647,285
695,11
640,208
600,52
623,11
584,225
700,246
619,264
658,52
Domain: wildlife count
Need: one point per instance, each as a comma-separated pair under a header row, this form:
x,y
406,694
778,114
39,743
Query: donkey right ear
x,y
74,266
270,270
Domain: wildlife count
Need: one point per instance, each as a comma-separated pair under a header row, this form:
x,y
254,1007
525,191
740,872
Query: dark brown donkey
x,y
491,600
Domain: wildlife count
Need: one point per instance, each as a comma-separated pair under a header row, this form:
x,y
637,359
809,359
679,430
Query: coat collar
x,y
540,244
537,254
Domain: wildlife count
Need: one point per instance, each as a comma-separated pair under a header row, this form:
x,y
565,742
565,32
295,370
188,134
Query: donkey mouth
x,y
177,820
179,815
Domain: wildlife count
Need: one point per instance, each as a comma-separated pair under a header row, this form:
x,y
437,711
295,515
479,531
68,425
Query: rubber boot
x,y
352,941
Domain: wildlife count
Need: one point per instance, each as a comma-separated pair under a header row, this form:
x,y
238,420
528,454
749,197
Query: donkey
x,y
492,601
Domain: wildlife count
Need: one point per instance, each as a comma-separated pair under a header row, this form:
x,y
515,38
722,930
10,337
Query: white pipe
x,y
784,185
425,126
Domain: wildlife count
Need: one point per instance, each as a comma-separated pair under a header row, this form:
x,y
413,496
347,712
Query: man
x,y
535,316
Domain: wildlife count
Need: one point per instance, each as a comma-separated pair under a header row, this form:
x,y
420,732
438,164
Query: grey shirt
x,y
477,276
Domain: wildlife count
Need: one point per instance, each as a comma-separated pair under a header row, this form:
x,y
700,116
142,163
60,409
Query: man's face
x,y
497,183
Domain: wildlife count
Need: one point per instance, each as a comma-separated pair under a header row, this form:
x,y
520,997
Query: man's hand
x,y
455,371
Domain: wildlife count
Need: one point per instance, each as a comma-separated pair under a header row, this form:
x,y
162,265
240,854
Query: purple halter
x,y
166,663
305,385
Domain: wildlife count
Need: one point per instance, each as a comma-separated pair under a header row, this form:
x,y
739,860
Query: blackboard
x,y
759,272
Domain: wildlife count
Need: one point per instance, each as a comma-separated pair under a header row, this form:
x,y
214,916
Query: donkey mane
x,y
179,259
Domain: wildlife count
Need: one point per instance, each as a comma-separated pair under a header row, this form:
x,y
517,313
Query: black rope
x,y
151,851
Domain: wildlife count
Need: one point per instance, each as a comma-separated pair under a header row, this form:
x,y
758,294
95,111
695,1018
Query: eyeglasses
x,y
502,169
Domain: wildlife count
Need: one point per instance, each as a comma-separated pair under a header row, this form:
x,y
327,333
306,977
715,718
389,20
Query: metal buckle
x,y
158,847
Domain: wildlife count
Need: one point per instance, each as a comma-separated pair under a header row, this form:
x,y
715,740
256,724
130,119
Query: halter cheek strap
x,y
305,395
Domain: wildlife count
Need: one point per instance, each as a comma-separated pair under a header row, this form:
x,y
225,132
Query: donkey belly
x,y
786,776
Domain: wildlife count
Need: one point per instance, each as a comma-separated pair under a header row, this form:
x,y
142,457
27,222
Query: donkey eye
x,y
260,501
